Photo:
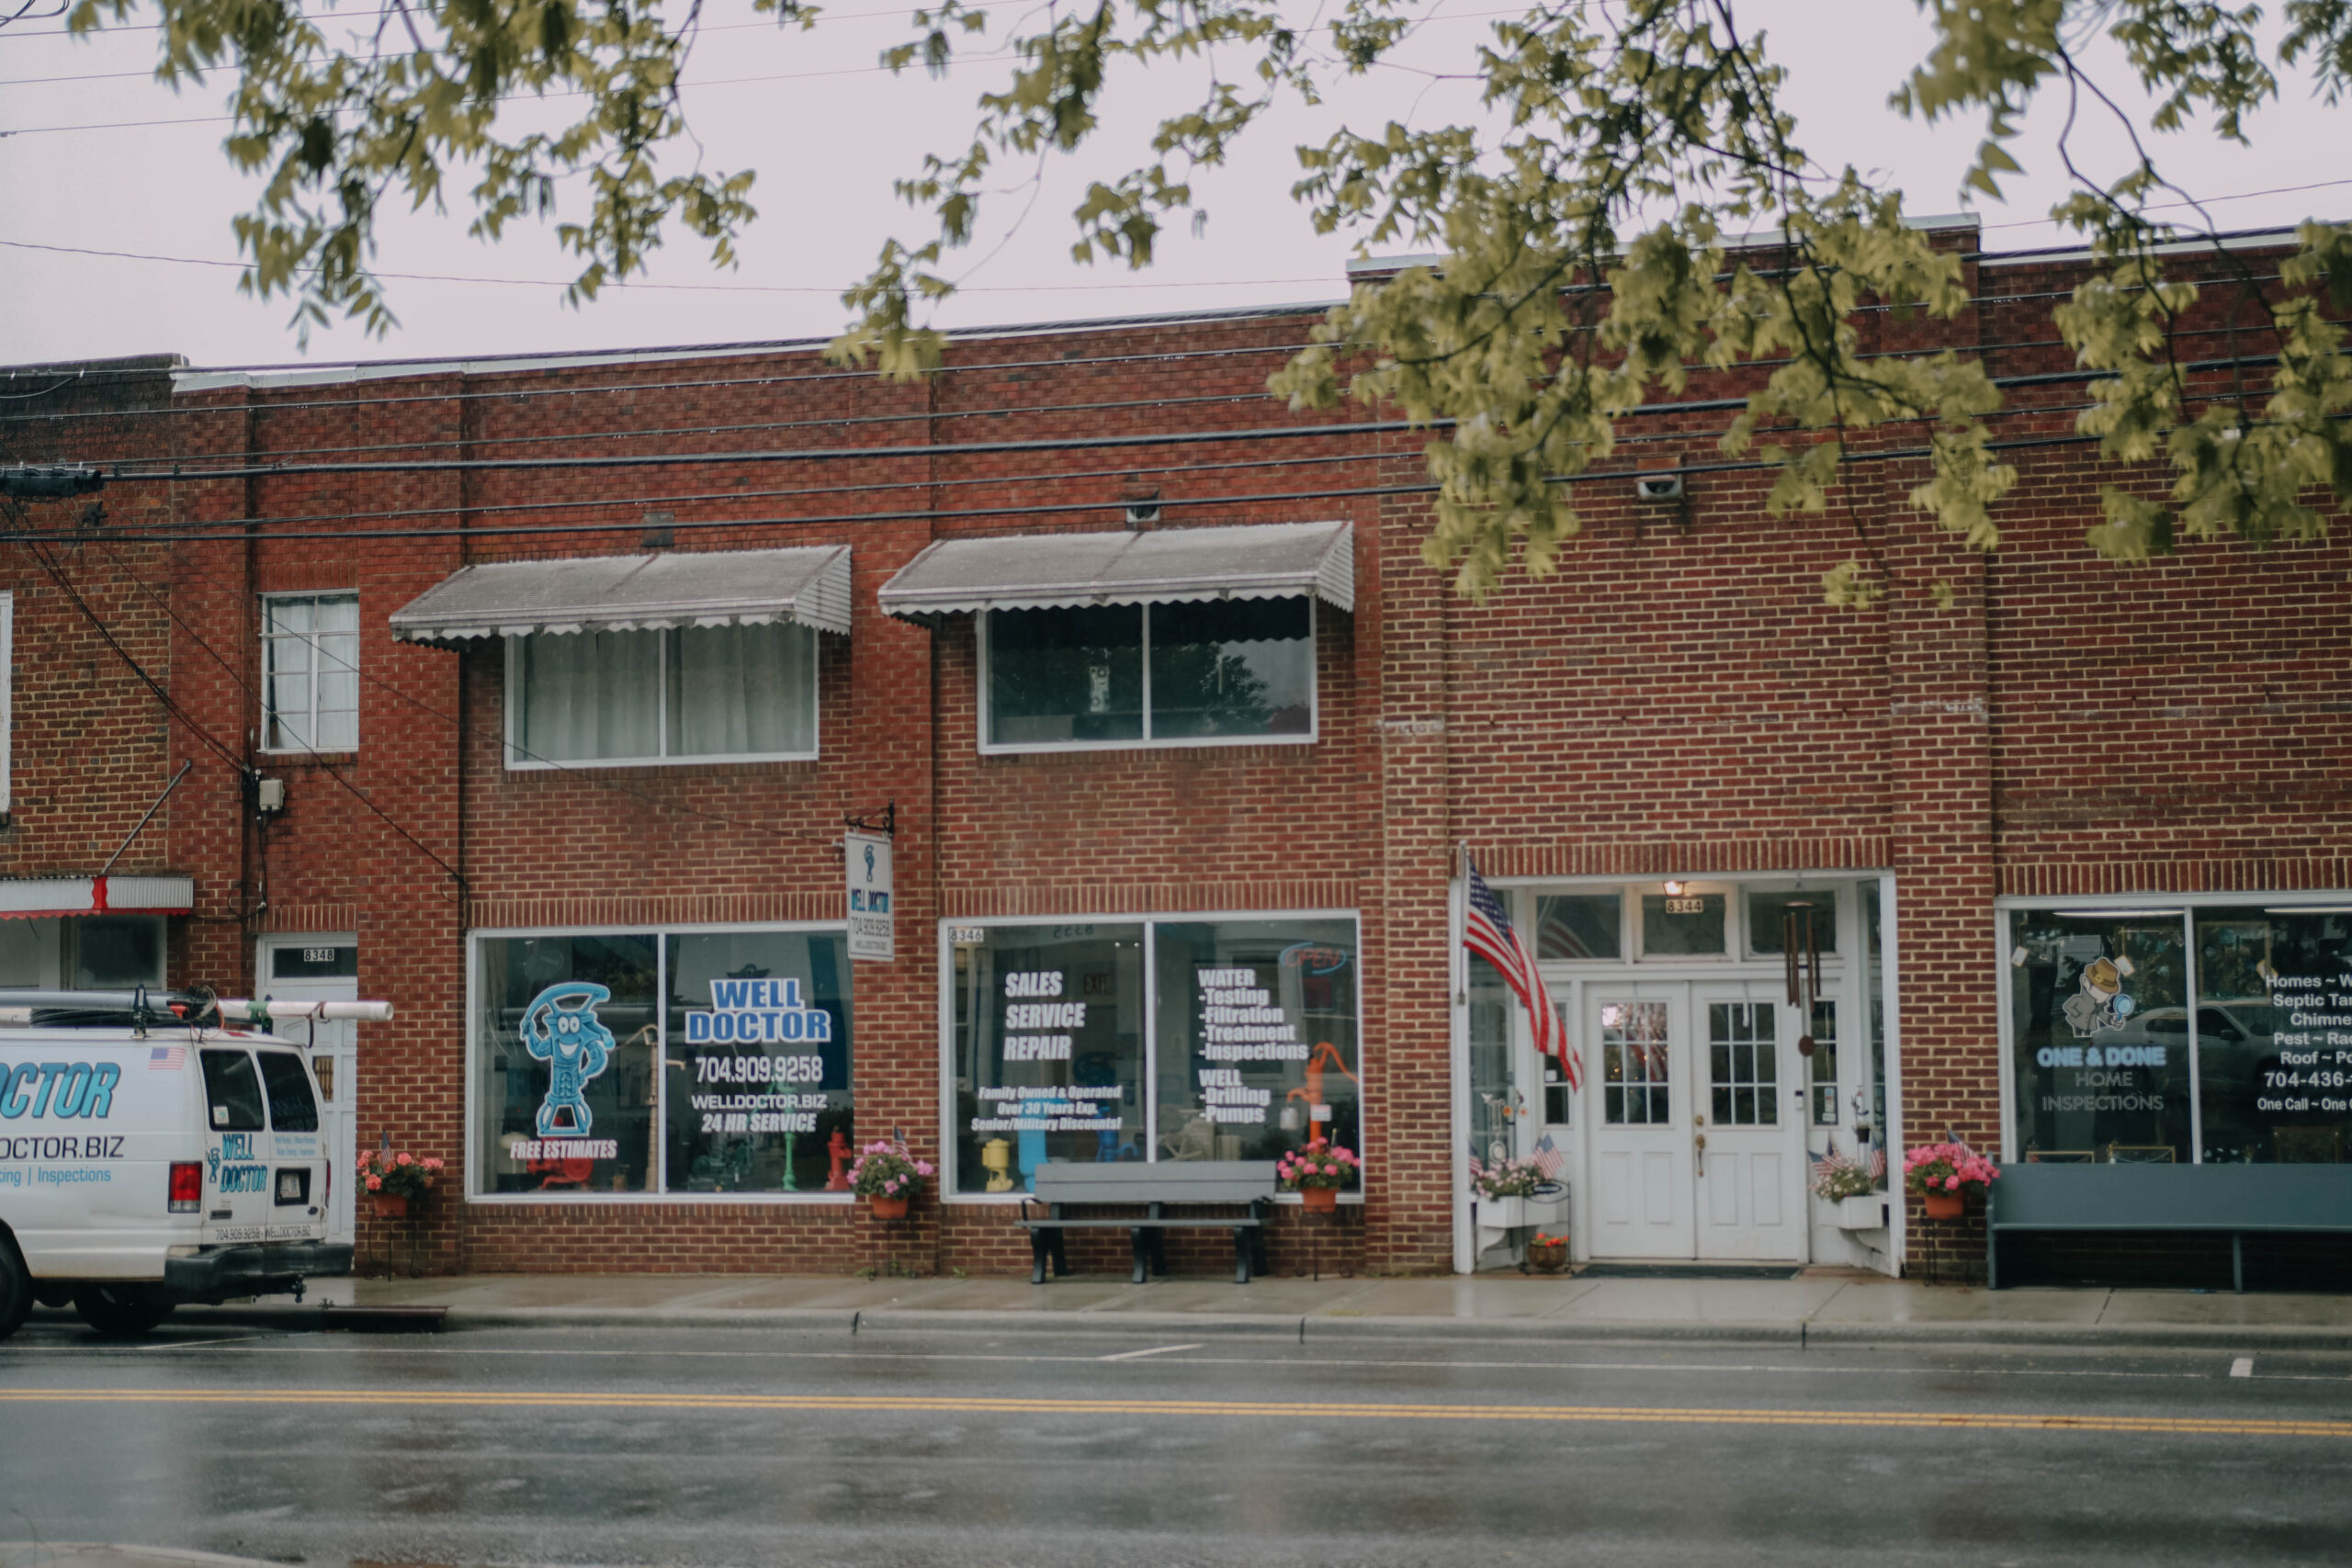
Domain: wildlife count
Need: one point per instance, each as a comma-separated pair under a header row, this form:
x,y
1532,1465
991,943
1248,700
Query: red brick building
x,y
534,694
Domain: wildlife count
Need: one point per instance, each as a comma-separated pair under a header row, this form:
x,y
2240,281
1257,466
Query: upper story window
x,y
1161,637
690,695
309,649
1184,673
707,656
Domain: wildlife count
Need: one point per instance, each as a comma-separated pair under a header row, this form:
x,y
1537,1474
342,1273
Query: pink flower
x,y
432,1162
1951,1183
375,1184
922,1167
401,1159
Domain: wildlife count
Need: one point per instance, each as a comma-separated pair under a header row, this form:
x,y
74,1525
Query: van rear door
x,y
236,1165
298,1170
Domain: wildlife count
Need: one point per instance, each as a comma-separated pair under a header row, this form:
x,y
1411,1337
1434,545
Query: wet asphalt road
x,y
724,1446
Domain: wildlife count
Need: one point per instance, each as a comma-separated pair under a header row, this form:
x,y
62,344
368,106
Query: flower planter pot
x,y
1502,1214
1944,1205
888,1208
1867,1213
390,1205
1319,1200
1547,1259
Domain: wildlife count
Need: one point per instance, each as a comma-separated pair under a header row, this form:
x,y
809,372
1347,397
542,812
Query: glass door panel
x,y
1748,1149
1640,1204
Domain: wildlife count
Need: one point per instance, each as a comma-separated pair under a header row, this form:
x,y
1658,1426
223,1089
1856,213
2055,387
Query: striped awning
x,y
35,897
809,583
1044,571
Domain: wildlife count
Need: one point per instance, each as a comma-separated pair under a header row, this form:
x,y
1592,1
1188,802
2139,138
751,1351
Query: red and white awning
x,y
34,897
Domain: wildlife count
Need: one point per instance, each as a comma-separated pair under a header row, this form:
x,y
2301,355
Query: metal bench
x,y
2234,1199
1247,1183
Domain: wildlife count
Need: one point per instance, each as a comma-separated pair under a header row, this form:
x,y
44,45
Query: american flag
x,y
167,1059
1548,1158
1486,930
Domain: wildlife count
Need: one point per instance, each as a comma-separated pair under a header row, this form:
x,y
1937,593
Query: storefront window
x,y
1824,1035
752,1048
2274,1034
2098,1036
1250,1047
758,1062
1579,925
113,953
1682,925
1770,914
1257,1036
1492,1089
1048,1050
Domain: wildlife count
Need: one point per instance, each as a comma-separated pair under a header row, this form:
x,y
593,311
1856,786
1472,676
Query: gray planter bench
x,y
1183,1185
2232,1199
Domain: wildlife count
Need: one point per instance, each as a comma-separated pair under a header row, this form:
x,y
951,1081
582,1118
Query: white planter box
x,y
1867,1213
1547,1211
1502,1214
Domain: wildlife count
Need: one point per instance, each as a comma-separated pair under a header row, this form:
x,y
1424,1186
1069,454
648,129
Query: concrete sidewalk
x,y
1817,1307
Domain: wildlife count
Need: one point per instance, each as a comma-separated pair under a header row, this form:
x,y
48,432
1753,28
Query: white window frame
x,y
1148,925
1148,742
268,683
477,1161
2187,906
520,762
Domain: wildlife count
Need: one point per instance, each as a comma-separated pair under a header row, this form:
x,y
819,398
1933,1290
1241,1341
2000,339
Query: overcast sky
x,y
828,131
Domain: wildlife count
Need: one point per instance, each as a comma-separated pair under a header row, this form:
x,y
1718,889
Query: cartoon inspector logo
x,y
2100,1005
560,1027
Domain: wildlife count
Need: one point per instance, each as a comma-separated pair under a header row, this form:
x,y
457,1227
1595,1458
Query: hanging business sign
x,y
868,857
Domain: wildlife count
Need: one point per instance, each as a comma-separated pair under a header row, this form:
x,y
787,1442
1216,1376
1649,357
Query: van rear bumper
x,y
210,1273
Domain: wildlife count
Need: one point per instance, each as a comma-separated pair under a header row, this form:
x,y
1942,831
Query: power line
x,y
952,450
1035,509
635,503
937,416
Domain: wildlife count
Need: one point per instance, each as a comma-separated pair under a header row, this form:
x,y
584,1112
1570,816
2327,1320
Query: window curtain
x,y
742,691
590,697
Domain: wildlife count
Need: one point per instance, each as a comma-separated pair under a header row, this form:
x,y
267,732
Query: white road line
x,y
1139,1355
2242,1367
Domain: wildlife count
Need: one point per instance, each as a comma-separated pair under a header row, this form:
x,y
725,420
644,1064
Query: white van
x,y
151,1155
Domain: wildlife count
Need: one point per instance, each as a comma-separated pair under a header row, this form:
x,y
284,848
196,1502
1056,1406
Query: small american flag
x,y
167,1059
1486,930
1548,1158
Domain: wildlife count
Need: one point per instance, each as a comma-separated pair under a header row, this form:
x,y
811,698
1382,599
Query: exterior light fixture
x,y
1674,889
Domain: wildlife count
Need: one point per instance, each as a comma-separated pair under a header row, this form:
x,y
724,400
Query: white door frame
x,y
337,1041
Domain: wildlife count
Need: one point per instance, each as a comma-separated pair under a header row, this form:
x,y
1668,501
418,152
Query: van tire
x,y
16,1288
122,1309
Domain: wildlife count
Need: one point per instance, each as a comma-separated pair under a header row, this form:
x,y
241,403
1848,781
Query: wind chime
x,y
1802,955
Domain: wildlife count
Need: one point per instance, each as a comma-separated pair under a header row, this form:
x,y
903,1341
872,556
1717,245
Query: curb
x,y
63,1553
1319,1327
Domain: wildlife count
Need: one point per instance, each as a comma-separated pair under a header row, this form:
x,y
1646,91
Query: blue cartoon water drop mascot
x,y
560,1027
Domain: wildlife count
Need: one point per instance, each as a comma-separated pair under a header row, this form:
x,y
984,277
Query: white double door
x,y
1695,1123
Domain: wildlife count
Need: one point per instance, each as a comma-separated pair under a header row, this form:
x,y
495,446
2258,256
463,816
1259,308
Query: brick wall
x,y
1674,699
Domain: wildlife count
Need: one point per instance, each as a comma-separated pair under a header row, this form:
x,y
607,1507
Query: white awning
x,y
1042,571
33,897
617,593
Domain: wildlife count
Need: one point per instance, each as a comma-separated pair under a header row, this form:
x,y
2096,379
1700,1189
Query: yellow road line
x,y
528,1399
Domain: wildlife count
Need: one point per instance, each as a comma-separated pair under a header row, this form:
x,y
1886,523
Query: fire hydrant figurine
x,y
836,1180
996,1155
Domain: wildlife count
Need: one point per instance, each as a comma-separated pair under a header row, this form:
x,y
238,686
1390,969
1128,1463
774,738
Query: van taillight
x,y
187,1186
